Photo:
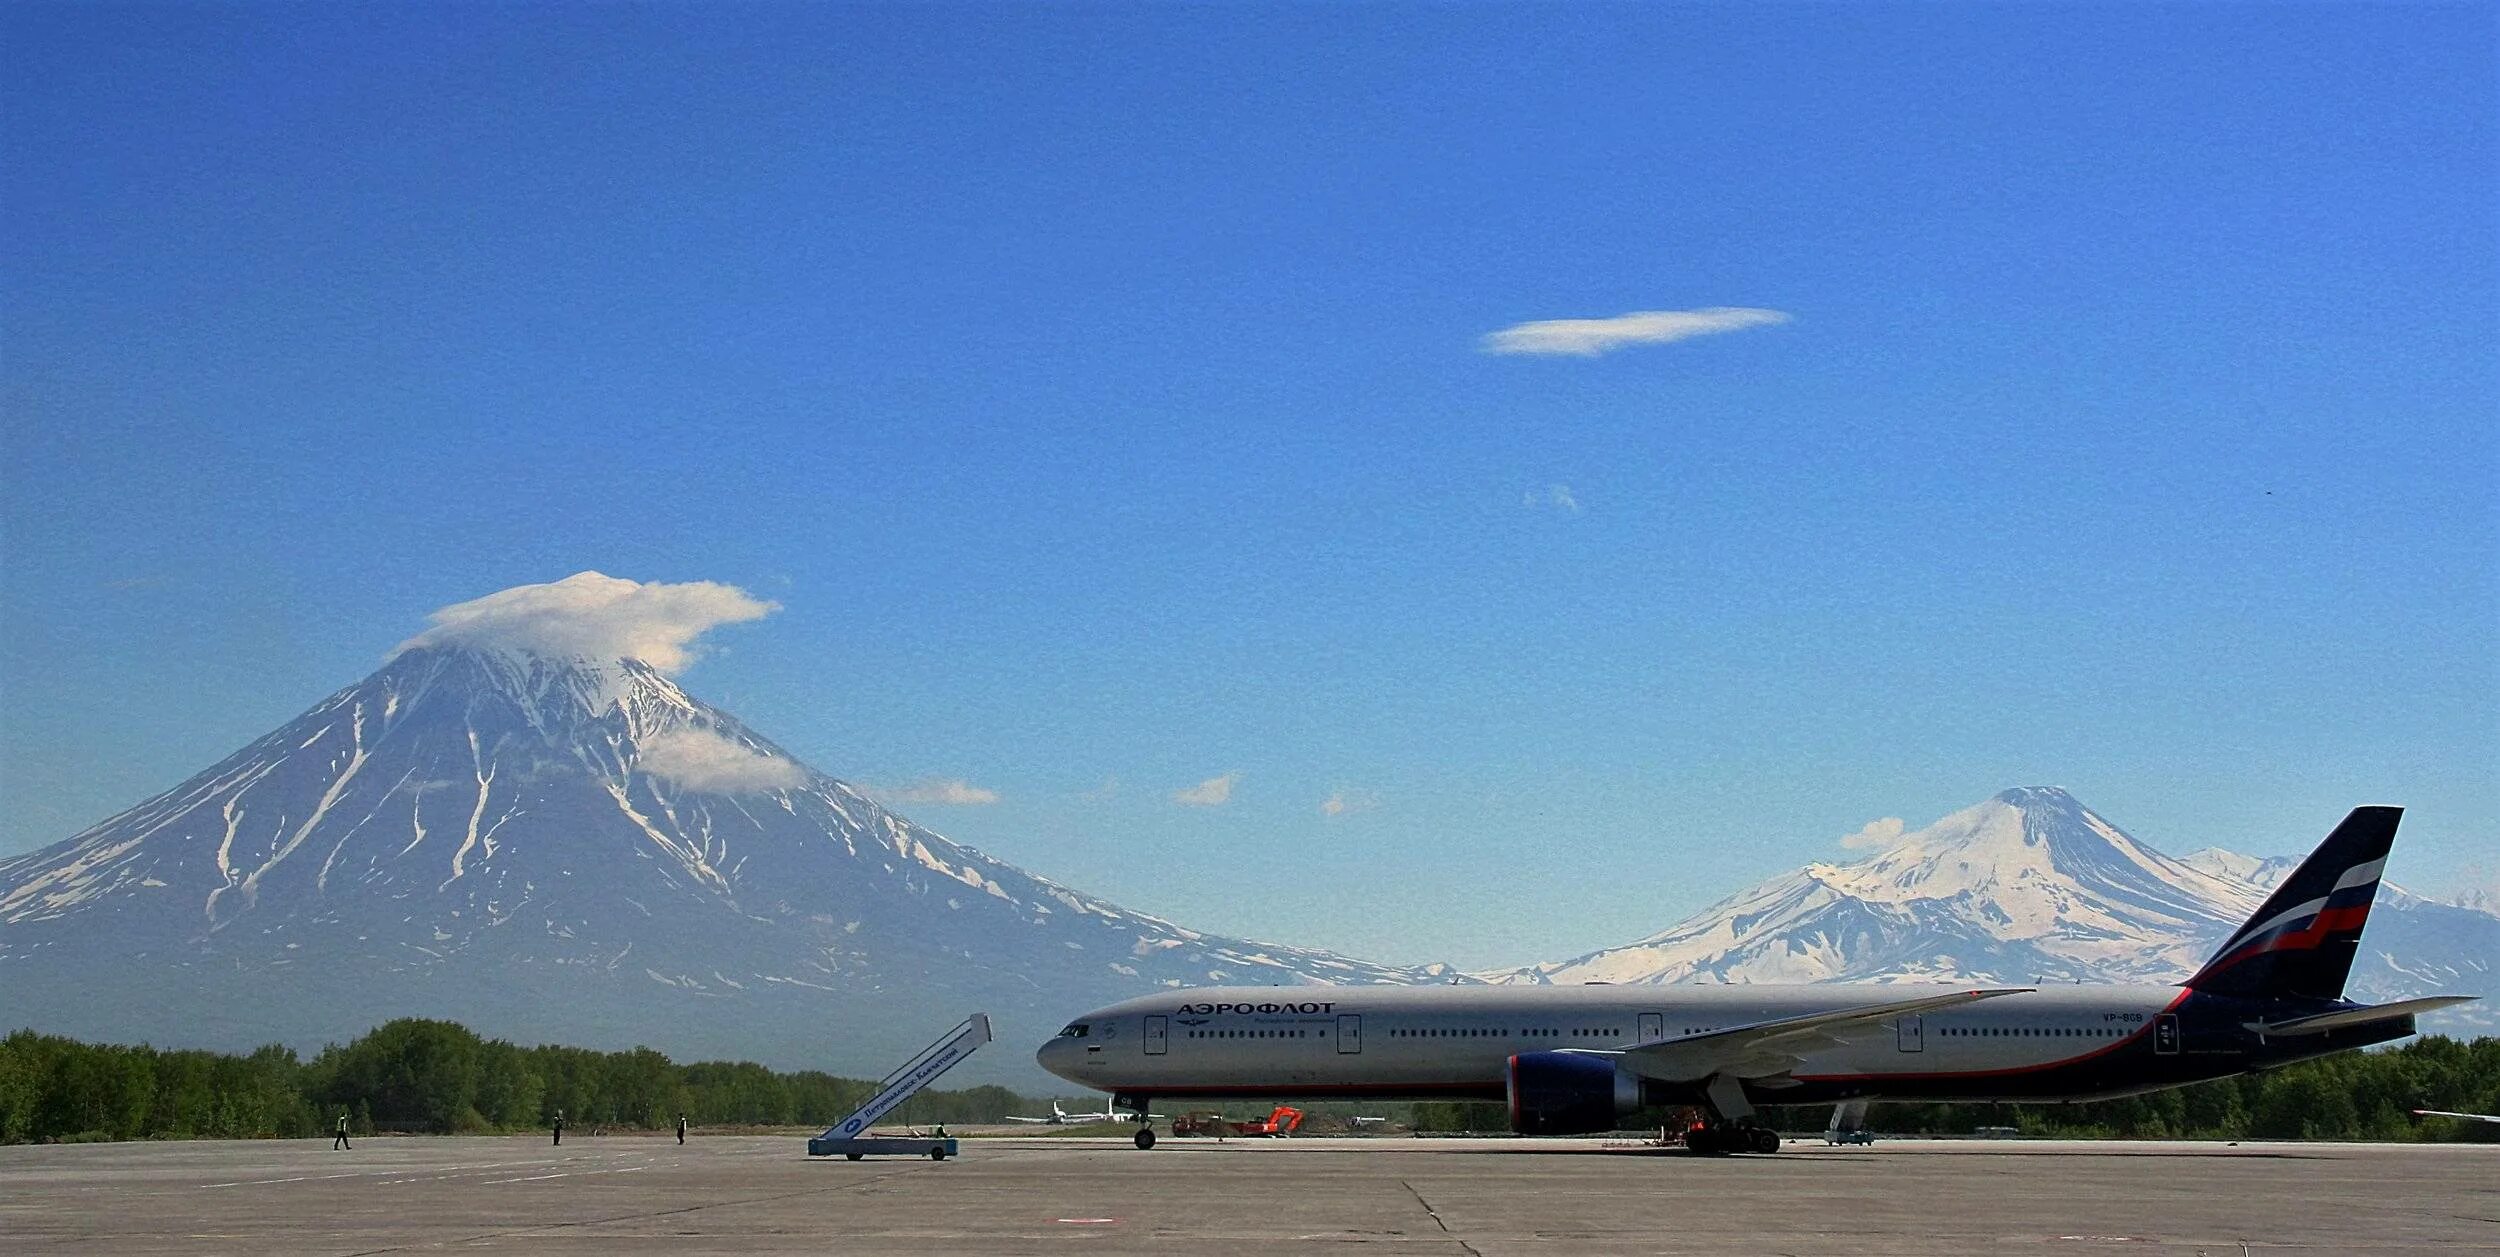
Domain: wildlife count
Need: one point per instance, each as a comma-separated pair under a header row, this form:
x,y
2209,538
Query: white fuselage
x,y
1418,1042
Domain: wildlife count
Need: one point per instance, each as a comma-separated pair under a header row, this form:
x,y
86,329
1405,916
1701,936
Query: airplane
x,y
1062,1117
1576,1060
2462,1117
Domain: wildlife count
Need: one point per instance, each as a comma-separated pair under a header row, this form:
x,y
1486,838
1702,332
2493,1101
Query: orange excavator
x,y
1285,1120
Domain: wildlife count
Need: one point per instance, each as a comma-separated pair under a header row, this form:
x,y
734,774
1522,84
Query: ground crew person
x,y
341,1140
681,1130
559,1128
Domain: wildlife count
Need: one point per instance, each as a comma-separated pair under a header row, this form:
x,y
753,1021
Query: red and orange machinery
x,y
1283,1120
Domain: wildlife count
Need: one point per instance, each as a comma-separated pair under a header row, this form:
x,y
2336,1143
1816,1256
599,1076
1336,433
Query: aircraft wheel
x,y
1703,1142
1760,1140
1145,1138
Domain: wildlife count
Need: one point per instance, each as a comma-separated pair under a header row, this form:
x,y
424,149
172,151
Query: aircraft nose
x,y
1053,1056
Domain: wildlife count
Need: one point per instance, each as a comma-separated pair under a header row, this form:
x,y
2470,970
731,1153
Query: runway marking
x,y
533,1178
1087,1221
300,1178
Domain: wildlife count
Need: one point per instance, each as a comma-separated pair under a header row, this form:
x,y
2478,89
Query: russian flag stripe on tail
x,y
2301,943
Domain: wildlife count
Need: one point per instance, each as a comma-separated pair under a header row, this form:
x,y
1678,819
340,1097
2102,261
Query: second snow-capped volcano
x,y
2027,886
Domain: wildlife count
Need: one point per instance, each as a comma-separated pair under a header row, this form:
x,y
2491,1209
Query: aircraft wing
x,y
1768,1048
2323,1022
1034,1121
2463,1117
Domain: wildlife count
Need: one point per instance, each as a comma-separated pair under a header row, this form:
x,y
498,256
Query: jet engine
x,y
1568,1093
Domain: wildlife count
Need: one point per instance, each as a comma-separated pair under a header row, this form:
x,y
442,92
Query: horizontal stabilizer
x,y
1766,1048
2338,1020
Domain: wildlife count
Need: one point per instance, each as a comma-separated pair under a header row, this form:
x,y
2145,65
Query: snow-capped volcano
x,y
2029,886
563,848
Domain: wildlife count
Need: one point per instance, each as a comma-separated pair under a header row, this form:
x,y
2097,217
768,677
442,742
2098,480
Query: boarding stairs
x,y
850,1138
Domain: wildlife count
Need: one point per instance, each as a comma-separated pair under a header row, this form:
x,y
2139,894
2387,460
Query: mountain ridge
x,y
2029,886
572,848
616,853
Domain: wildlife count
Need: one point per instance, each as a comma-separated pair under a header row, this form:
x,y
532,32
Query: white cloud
x,y
598,617
1557,498
1587,338
954,790
1213,792
701,759
1882,833
1344,800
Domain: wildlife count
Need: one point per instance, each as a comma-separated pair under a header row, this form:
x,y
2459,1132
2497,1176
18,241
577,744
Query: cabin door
x,y
1913,1034
1158,1034
1349,1034
1653,1027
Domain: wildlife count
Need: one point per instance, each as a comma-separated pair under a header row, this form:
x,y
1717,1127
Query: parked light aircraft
x,y
2462,1117
1062,1117
1572,1060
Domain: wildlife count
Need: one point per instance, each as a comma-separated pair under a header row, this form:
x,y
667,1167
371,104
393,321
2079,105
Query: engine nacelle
x,y
1567,1093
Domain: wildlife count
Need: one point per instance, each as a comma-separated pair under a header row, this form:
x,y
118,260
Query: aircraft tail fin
x,y
2301,943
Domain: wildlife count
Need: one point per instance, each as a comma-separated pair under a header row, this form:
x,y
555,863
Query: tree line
x,y
417,1076
438,1076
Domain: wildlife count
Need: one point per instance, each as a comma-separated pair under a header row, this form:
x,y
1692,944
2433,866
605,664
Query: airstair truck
x,y
850,1138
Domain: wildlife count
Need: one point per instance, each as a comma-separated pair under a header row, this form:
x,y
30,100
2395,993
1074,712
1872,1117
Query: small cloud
x,y
704,760
1213,792
1344,800
593,616
1557,498
1882,833
1587,338
949,790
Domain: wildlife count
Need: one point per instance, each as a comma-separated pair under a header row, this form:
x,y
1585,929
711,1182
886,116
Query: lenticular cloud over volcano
x,y
701,759
596,616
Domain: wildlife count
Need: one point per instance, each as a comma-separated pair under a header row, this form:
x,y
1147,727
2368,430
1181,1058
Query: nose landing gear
x,y
1145,1137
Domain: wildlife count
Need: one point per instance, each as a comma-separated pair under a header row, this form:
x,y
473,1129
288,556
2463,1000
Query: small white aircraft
x,y
1062,1117
2462,1117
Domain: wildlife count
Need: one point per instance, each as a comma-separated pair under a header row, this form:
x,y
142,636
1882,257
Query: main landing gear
x,y
1718,1141
1732,1128
1145,1122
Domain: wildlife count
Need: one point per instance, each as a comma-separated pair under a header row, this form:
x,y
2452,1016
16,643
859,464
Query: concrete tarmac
x,y
642,1195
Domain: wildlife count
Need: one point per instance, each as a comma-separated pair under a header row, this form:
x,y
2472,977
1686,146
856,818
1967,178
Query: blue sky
x,y
1101,392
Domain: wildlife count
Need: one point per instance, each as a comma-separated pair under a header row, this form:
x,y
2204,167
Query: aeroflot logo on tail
x,y
1213,1009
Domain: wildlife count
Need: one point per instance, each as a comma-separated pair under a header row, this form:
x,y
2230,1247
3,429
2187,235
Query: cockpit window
x,y
1074,1030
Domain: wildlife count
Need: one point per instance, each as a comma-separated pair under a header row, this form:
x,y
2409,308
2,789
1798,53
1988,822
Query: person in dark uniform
x,y
681,1130
559,1128
341,1140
